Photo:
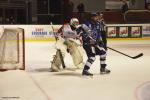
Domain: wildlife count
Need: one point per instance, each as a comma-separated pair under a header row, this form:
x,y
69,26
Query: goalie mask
x,y
74,22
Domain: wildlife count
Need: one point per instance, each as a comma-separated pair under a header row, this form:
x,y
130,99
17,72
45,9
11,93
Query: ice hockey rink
x,y
129,78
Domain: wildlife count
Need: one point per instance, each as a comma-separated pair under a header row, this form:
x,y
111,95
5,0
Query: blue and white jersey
x,y
102,25
90,29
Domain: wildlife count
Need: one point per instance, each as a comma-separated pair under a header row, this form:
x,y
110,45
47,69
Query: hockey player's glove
x,y
93,42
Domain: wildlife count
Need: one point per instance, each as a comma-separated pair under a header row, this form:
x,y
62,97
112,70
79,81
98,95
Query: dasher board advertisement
x,y
111,32
123,32
135,31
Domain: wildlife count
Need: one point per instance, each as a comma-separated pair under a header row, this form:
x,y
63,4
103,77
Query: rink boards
x,y
114,31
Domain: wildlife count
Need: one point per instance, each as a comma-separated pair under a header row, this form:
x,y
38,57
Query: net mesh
x,y
12,49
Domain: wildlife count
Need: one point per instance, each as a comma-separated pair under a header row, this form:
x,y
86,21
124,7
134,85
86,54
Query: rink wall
x,y
114,31
36,32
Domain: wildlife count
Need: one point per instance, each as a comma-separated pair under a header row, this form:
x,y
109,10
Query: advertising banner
x,y
123,32
135,31
36,32
47,32
146,30
111,31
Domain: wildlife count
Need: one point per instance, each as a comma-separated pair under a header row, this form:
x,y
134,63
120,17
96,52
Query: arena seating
x,y
137,16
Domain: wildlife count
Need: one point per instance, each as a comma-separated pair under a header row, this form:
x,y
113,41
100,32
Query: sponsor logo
x,y
111,32
39,32
146,31
135,31
146,28
123,32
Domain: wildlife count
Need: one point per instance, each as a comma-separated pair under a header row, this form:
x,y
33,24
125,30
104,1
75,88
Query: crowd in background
x,y
68,10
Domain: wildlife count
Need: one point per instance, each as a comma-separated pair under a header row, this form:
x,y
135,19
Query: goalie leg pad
x,y
75,53
60,44
56,63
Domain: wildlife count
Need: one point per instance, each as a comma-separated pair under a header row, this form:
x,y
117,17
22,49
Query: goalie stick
x,y
60,53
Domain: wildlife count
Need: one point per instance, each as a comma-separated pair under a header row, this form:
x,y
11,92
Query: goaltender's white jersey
x,y
67,32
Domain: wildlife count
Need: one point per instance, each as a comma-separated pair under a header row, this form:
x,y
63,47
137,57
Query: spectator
x,y
12,20
80,7
7,21
81,11
124,7
67,10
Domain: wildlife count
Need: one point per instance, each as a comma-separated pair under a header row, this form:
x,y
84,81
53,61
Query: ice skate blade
x,y
87,76
104,73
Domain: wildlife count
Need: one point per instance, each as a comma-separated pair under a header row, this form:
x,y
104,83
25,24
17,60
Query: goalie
x,y
66,41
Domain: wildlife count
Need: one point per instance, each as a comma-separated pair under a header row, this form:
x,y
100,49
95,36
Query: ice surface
x,y
37,83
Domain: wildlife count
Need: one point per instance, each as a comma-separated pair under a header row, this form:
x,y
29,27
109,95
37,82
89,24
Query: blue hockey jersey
x,y
90,29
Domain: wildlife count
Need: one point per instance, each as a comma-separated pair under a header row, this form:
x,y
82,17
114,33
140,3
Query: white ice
x,y
126,81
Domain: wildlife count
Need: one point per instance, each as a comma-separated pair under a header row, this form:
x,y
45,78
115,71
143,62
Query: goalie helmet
x,y
74,22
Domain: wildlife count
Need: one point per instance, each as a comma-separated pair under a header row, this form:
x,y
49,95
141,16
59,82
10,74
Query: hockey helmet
x,y
74,22
94,17
93,14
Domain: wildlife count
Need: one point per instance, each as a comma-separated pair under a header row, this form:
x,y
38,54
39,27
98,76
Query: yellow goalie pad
x,y
62,45
56,63
74,51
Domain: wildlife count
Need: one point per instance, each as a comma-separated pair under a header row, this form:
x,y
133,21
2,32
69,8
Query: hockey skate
x,y
104,71
86,73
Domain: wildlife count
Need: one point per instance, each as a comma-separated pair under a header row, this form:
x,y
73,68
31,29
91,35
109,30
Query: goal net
x,y
12,53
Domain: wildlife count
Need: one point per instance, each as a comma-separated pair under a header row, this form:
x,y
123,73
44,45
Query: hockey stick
x,y
133,57
60,53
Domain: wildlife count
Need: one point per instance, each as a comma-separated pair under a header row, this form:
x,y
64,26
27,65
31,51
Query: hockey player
x,y
93,45
101,21
66,41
